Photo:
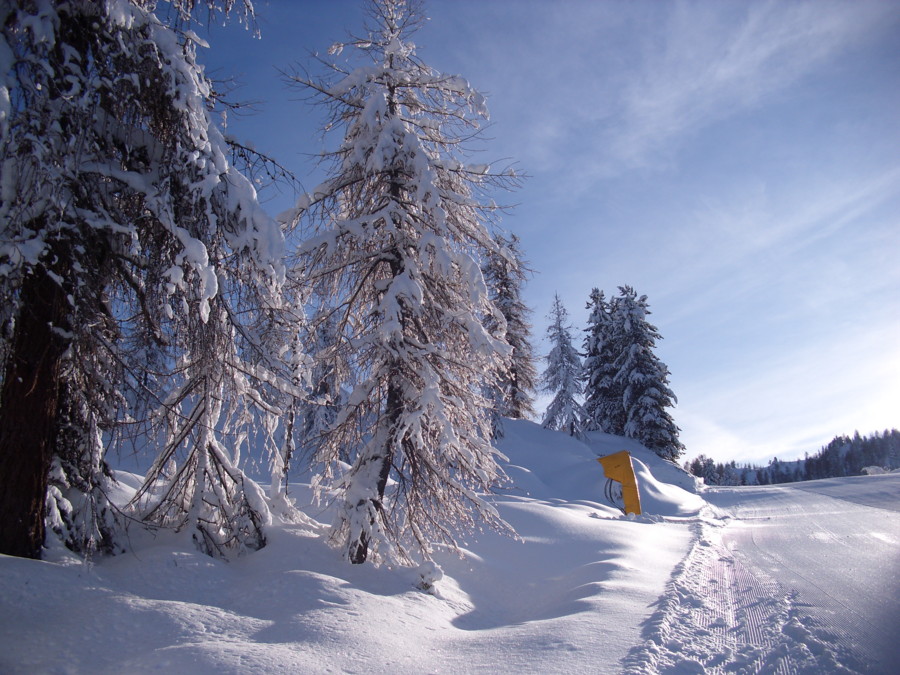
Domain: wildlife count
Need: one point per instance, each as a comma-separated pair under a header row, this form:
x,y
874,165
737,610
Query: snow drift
x,y
569,593
582,589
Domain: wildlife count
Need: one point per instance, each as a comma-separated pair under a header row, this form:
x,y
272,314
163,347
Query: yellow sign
x,y
618,467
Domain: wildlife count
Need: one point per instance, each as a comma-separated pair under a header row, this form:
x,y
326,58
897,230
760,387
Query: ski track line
x,y
718,615
839,629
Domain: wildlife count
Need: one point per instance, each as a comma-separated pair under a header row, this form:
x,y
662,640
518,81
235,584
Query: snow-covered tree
x,y
505,272
562,376
320,411
603,407
401,229
704,467
78,512
135,266
644,379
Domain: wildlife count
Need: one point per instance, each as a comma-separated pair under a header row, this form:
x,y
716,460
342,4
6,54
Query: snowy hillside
x,y
569,595
583,589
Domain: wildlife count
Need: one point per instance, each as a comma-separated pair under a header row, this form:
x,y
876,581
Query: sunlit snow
x,y
584,589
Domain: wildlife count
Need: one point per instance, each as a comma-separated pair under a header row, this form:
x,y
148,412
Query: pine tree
x,y
644,379
603,406
562,376
505,272
401,231
128,246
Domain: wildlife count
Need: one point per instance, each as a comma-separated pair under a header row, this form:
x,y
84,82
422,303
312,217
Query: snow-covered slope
x,y
545,463
569,594
581,589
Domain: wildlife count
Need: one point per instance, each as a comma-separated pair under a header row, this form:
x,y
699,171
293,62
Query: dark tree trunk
x,y
28,411
359,549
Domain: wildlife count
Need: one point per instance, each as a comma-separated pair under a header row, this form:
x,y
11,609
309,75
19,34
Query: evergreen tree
x,y
562,376
646,395
730,474
714,473
128,246
505,272
603,393
842,456
401,228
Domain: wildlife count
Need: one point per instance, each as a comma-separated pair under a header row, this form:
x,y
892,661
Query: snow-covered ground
x,y
834,547
583,590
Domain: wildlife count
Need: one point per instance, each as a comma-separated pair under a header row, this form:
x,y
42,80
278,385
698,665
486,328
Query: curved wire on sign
x,y
613,495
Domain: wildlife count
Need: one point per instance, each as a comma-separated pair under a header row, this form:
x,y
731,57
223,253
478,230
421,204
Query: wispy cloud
x,y
732,236
705,62
577,99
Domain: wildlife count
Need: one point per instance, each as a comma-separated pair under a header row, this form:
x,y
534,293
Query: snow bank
x,y
565,467
664,499
569,594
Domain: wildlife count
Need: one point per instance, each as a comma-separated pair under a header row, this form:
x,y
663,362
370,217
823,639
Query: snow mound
x,y
664,499
550,464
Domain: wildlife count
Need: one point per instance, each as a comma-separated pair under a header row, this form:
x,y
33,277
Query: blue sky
x,y
737,162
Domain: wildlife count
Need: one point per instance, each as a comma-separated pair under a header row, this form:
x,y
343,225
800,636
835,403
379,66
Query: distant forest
x,y
843,456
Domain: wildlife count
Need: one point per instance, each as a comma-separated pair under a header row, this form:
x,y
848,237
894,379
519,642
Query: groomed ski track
x,y
784,579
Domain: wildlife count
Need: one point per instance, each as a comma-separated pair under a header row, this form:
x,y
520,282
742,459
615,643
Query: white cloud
x,y
708,61
820,238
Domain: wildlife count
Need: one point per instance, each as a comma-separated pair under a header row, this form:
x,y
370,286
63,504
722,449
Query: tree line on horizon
x,y
842,456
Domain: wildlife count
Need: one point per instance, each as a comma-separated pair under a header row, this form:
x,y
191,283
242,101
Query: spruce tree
x,y
603,406
505,272
644,379
562,376
401,229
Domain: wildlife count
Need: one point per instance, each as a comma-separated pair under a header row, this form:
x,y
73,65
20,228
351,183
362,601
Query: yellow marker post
x,y
618,467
